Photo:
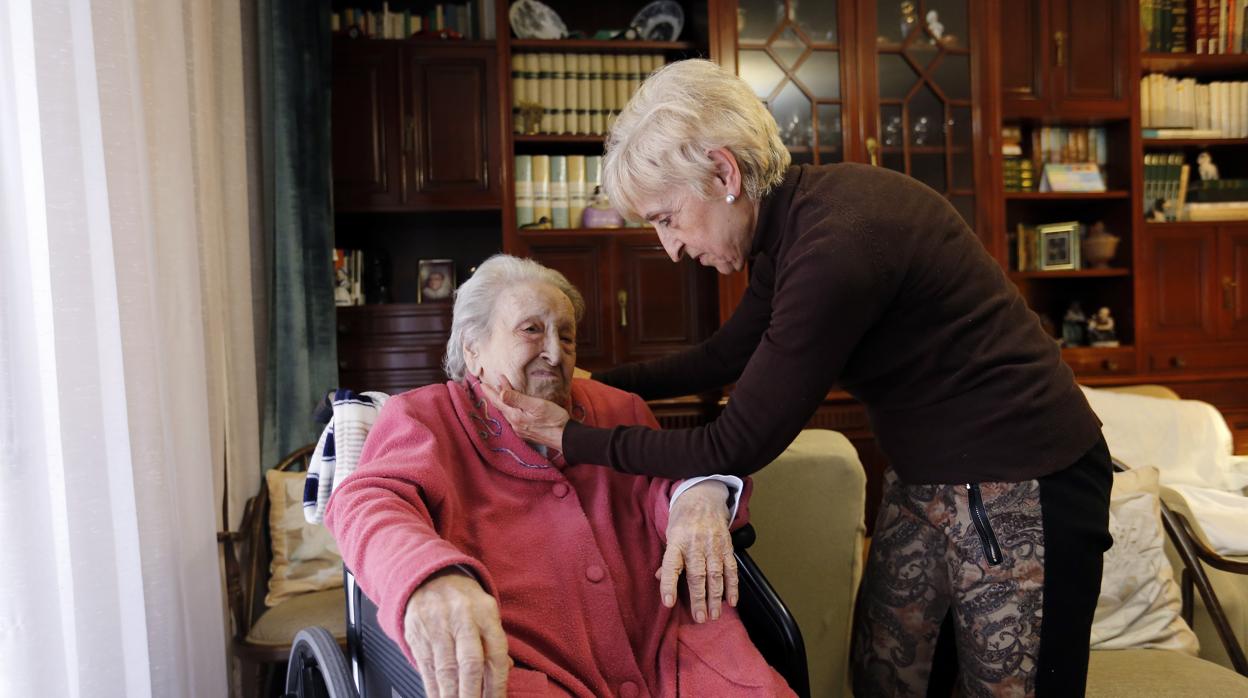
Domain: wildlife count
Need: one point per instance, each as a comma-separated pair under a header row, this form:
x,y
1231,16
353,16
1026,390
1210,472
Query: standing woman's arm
x,y
715,362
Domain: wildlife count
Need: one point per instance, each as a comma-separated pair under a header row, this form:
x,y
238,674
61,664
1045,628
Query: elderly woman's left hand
x,y
535,420
698,543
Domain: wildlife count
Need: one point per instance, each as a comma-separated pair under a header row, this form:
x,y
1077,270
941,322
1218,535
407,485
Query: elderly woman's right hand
x,y
456,635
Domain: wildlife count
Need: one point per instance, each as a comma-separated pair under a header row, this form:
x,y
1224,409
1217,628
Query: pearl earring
x,y
730,199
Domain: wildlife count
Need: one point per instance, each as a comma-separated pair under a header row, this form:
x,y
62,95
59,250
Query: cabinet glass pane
x,y
817,18
788,48
800,84
792,111
953,74
896,76
821,74
923,64
759,71
829,132
757,19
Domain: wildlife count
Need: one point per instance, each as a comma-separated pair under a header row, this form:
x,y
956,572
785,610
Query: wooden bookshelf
x,y
1071,274
1065,196
600,46
1194,65
559,138
1192,142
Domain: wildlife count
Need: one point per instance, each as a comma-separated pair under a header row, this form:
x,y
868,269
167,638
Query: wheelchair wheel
x,y
317,668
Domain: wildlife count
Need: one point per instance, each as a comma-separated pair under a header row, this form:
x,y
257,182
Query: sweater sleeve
x,y
828,295
384,517
715,362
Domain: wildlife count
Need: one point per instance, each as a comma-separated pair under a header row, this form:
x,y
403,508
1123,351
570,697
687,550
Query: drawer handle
x,y
1110,365
1178,362
622,298
1228,293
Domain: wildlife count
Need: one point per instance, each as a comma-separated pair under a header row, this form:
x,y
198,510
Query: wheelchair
x,y
376,667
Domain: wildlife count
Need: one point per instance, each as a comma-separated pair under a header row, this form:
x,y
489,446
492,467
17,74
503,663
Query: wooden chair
x,y
263,636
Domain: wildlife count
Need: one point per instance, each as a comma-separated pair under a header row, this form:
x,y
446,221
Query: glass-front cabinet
x,y
891,83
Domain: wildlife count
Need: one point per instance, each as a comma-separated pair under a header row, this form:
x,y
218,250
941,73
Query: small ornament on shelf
x,y
1099,246
1074,326
1101,329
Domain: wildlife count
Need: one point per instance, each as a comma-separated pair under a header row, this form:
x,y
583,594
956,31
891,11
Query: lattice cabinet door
x,y
792,53
919,72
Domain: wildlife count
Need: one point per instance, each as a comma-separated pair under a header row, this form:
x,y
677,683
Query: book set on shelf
x,y
1205,27
574,93
1055,153
441,20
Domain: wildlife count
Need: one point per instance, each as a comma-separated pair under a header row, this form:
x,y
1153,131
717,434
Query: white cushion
x,y
305,556
1139,603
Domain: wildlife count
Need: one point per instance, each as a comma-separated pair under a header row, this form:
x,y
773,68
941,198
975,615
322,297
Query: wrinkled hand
x,y
454,631
535,420
699,544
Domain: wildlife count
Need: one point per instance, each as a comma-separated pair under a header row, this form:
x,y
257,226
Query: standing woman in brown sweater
x,y
995,509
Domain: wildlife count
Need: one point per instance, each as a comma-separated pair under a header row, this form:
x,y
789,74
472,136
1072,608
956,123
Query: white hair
x,y
681,112
474,302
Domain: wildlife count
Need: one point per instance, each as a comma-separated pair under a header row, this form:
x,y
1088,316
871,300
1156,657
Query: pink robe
x,y
568,553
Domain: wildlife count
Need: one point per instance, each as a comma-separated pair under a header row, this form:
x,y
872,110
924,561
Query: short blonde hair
x,y
685,109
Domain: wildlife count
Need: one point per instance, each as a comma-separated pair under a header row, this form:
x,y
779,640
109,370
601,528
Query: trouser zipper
x,y
979,515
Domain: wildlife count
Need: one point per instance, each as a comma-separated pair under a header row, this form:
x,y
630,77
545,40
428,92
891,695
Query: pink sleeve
x,y
384,516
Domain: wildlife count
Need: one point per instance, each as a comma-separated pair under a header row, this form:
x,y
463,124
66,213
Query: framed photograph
x,y
1059,246
436,279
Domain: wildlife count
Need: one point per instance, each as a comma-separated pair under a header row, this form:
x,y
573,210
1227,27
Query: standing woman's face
x,y
712,232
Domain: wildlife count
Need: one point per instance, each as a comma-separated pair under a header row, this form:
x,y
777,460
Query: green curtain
x,y
294,48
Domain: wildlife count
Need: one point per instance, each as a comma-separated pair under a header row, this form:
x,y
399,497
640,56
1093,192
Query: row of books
x,y
1193,26
458,19
1019,173
1045,248
1057,144
1165,186
574,93
1215,110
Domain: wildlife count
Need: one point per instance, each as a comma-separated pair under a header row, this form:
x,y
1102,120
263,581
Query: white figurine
x,y
934,27
1208,170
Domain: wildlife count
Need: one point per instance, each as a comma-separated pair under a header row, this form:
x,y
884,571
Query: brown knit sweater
x,y
867,279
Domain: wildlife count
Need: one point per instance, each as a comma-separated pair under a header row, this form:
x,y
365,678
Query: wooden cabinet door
x,y
661,307
367,168
451,129
1089,41
1026,54
1179,290
1233,281
586,263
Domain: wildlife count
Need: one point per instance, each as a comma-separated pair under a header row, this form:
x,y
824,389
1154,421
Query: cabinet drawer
x,y
1180,359
395,323
390,358
1108,361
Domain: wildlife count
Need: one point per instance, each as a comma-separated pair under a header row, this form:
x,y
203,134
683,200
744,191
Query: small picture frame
x,y
436,281
1059,246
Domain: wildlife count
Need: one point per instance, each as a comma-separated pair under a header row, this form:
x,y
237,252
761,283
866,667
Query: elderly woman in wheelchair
x,y
501,571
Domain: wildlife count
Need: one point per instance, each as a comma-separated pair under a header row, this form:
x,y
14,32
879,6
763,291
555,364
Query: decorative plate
x,y
661,20
530,19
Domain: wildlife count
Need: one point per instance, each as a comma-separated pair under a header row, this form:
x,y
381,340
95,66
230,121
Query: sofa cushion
x,y
1136,673
1139,603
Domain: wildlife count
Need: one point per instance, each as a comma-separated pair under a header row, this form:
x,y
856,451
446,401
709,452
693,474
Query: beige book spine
x,y
623,82
571,93
584,117
578,198
546,89
541,188
558,101
596,85
610,78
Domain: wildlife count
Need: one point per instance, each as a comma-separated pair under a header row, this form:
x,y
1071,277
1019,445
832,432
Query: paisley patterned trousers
x,y
1017,565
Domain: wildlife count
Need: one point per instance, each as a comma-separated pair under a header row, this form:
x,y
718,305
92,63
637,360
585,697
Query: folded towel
x,y
338,449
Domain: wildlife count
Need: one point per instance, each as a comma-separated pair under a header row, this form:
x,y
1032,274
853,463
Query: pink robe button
x,y
628,689
594,574
560,490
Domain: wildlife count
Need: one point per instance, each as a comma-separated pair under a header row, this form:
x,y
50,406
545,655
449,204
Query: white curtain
x,y
127,356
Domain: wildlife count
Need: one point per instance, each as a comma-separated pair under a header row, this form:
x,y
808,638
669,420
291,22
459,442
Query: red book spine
x,y
1200,24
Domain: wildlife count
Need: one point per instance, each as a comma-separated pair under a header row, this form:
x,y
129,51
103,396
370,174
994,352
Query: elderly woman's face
x,y
712,233
531,342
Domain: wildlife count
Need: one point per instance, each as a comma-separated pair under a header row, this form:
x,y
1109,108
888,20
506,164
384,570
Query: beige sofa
x,y
808,508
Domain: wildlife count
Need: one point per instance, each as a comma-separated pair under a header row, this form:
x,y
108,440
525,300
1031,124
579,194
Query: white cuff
x,y
734,484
